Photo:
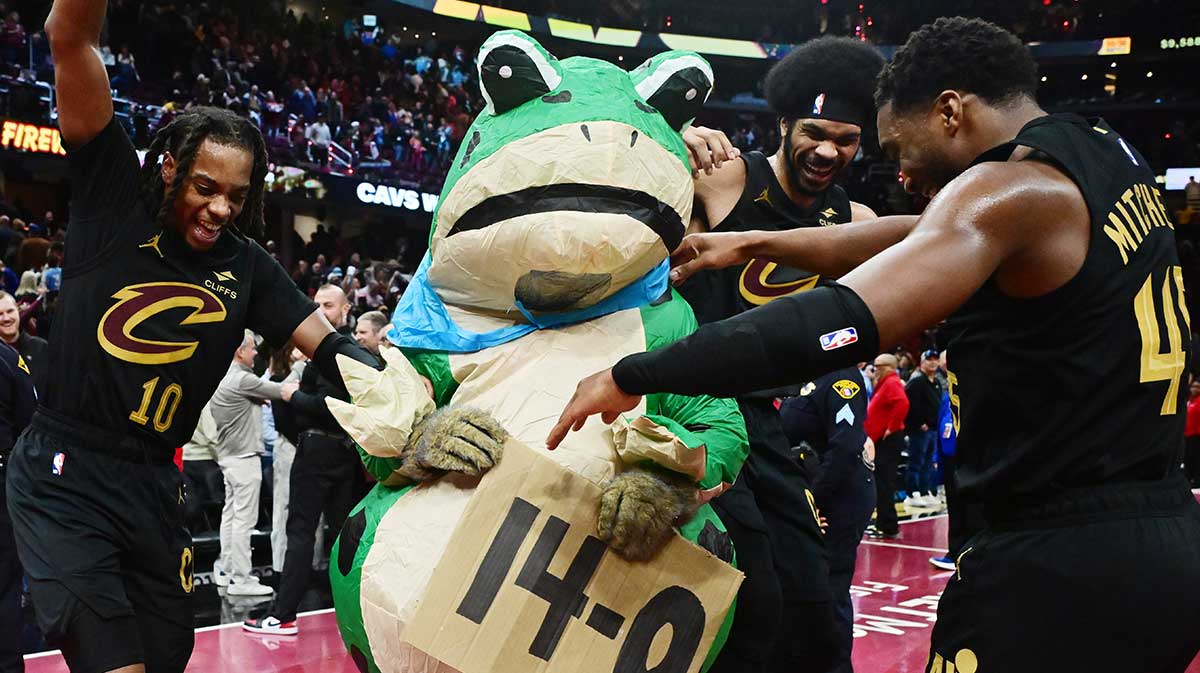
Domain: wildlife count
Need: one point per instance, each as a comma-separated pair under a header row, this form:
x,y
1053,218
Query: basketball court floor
x,y
895,603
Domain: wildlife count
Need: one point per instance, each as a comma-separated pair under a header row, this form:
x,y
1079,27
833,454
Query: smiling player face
x,y
213,194
817,150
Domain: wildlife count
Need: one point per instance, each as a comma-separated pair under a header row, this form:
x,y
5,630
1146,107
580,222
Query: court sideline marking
x,y
202,629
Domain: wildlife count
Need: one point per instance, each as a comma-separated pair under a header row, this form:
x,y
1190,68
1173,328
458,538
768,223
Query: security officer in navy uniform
x,y
825,423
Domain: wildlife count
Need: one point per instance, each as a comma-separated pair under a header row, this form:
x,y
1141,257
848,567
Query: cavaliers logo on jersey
x,y
137,304
763,281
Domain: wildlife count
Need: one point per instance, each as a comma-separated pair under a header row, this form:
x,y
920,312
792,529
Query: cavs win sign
x,y
16,135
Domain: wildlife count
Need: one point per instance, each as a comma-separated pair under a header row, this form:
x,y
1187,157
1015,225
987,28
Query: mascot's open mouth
x,y
660,217
558,290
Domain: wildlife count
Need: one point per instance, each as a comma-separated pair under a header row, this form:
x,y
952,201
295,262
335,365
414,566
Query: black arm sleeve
x,y
789,340
334,343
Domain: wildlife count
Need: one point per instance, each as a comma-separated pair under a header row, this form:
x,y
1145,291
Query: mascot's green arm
x,y
433,365
714,422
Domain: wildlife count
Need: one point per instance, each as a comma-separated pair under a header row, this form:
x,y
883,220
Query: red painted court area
x,y
896,593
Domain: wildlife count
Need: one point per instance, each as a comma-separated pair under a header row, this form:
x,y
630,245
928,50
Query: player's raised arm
x,y
829,251
80,81
980,223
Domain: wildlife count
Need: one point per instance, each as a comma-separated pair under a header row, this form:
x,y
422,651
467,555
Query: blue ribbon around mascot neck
x,y
423,321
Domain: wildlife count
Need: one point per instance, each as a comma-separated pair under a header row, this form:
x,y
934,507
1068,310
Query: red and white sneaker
x,y
270,626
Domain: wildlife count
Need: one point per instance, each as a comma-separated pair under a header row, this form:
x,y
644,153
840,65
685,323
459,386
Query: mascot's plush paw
x,y
638,510
455,439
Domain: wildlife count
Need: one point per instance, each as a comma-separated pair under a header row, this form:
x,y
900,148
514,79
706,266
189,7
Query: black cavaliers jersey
x,y
145,326
1084,385
763,206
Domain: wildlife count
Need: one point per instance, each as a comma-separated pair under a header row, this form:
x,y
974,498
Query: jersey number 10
x,y
168,404
1158,366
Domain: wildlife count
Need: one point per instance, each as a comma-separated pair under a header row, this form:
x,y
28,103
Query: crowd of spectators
x,y
377,100
31,253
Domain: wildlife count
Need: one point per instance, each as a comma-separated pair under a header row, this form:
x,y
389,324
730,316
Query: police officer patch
x,y
846,388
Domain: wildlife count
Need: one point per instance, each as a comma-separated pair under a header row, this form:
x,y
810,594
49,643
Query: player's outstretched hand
x,y
457,439
597,394
386,404
708,149
638,510
698,252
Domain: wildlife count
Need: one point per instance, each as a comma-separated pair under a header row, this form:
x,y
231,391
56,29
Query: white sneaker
x,y
248,587
220,577
271,626
931,502
914,502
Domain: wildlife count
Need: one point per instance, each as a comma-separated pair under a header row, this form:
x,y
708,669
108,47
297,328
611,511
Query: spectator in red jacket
x,y
1191,456
885,426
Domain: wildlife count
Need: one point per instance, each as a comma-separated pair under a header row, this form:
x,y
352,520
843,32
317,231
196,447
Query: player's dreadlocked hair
x,y
967,55
182,137
835,66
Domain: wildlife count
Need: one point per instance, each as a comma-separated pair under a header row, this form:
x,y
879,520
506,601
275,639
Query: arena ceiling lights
x,y
614,37
714,46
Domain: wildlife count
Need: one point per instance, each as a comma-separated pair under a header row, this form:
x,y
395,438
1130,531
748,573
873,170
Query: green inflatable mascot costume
x,y
547,262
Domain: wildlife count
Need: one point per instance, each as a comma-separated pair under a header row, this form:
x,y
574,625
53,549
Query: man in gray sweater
x,y
237,409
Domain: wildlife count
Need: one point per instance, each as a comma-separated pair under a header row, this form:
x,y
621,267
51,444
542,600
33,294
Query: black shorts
x,y
101,534
1103,579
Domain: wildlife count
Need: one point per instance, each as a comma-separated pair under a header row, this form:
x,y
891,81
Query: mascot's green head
x,y
572,184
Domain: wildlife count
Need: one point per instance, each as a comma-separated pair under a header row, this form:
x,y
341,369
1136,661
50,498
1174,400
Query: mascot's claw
x,y
455,439
387,404
638,510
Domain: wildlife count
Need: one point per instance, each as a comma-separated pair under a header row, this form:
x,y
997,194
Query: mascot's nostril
x,y
558,290
633,139
586,134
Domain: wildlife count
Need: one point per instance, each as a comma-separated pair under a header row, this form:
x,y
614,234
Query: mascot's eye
x,y
676,84
514,69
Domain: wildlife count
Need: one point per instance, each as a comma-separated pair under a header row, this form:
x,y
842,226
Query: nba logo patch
x,y
57,468
818,104
842,337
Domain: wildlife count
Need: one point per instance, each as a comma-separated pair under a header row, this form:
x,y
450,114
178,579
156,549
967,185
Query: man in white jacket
x,y
237,409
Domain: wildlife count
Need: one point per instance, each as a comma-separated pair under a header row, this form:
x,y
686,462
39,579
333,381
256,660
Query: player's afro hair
x,y
967,55
836,66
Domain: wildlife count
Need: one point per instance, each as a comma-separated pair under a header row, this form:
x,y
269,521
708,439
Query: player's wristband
x,y
791,339
334,343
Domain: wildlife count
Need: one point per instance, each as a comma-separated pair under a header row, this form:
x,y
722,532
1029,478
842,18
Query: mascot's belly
x,y
524,384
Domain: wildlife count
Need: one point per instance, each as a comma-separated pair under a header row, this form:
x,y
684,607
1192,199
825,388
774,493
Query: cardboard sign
x,y
526,586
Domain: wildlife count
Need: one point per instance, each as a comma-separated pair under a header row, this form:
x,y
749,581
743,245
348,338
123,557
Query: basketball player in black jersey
x,y
1047,247
159,282
785,619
